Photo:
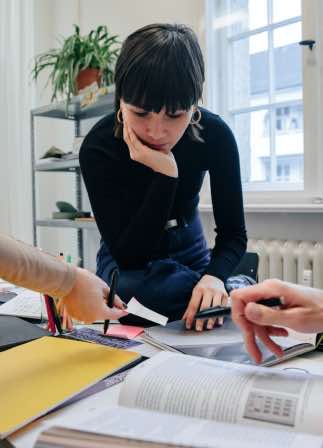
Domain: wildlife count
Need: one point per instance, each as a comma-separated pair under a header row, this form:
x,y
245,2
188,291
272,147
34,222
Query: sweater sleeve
x,y
226,192
131,220
31,268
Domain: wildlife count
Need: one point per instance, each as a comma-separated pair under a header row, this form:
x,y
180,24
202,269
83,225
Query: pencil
x,y
56,317
51,322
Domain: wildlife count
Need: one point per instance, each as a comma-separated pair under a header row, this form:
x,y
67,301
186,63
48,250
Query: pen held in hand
x,y
110,300
221,311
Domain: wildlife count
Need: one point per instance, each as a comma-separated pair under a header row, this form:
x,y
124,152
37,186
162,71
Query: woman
x,y
143,168
302,310
84,295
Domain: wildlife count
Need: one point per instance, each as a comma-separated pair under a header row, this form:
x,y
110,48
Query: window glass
x,y
288,82
243,16
286,9
250,71
260,92
251,131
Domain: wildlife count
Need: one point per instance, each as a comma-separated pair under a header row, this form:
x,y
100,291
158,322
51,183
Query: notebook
x,y
15,331
38,376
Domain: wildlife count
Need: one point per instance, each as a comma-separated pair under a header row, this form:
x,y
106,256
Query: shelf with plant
x,y
78,62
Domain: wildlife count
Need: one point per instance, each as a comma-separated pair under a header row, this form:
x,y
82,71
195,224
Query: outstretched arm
x,y
84,294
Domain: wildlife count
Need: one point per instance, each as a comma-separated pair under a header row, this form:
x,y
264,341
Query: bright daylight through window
x,y
256,78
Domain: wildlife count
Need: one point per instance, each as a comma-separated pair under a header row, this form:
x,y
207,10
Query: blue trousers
x,y
164,285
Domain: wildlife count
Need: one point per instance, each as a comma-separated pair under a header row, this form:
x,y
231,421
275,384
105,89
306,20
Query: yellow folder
x,y
37,376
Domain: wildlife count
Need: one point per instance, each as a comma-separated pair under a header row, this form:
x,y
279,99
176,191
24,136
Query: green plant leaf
x,y
97,50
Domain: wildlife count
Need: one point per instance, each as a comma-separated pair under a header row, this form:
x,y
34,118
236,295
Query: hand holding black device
x,y
220,311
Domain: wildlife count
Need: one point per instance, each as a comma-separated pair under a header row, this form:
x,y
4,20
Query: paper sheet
x,y
180,431
25,304
124,331
134,307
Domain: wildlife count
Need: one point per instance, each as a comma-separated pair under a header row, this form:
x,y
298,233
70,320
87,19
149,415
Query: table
x,y
310,363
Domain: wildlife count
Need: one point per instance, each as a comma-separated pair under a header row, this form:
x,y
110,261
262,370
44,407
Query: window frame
x,y
216,82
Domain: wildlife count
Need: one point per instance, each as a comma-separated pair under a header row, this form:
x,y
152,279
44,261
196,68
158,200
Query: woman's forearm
x,y
31,268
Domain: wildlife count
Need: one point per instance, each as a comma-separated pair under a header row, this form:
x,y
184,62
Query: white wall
x,y
16,96
125,16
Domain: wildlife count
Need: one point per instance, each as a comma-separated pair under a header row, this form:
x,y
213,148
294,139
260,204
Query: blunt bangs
x,y
161,66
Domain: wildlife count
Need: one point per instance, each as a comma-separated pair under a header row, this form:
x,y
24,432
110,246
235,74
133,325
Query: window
x,y
255,81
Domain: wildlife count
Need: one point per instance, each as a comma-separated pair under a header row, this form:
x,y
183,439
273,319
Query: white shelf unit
x,y
76,114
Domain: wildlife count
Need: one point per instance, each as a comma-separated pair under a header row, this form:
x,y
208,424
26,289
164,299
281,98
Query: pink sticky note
x,y
124,331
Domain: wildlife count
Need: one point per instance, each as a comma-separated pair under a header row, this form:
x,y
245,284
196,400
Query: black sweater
x,y
132,203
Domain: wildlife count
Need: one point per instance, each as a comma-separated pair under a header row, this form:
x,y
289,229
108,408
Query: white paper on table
x,y
134,307
25,304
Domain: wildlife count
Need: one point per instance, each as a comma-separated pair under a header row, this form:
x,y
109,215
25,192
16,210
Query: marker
x,y
110,301
221,311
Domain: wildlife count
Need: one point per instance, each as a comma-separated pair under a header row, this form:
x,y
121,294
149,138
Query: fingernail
x,y
253,311
125,306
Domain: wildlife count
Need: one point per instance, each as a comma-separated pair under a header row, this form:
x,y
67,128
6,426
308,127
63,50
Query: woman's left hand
x,y
209,291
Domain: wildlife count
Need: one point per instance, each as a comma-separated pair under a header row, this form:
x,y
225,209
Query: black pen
x,y
221,311
110,301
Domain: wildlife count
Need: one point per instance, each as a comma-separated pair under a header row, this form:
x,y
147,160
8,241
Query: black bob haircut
x,y
160,65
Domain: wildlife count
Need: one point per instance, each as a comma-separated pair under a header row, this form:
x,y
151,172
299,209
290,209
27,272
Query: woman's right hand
x,y
158,160
87,299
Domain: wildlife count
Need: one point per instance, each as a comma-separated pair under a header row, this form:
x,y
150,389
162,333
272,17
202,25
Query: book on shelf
x,y
226,342
181,400
86,219
41,375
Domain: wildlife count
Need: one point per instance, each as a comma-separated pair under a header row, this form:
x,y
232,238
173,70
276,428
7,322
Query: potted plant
x,y
79,61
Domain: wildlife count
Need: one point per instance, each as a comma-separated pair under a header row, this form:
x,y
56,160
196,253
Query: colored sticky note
x,y
124,331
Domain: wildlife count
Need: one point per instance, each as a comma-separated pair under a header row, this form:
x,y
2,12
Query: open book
x,y
188,401
226,343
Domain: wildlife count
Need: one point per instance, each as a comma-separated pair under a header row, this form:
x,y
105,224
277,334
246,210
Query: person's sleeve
x,y
226,192
31,268
132,229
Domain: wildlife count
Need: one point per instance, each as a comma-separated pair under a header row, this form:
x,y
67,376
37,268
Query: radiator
x,y
294,261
